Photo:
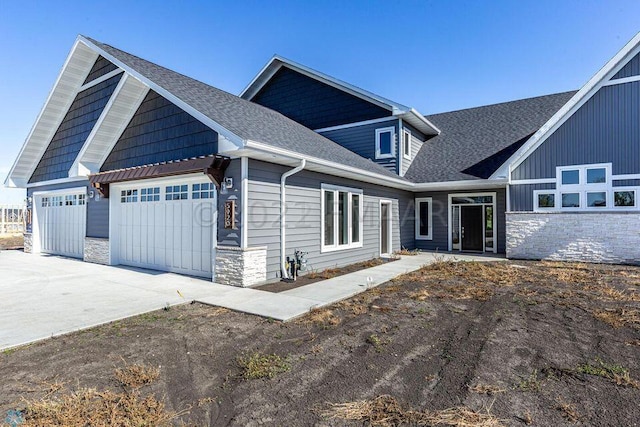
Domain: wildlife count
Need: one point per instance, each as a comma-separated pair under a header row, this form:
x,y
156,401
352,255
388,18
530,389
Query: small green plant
x,y
616,373
377,342
531,383
259,365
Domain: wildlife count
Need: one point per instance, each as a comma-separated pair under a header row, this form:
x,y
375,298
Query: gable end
x,y
101,67
159,131
312,103
73,131
631,69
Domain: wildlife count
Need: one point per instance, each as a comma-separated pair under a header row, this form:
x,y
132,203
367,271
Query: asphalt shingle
x,y
245,119
474,142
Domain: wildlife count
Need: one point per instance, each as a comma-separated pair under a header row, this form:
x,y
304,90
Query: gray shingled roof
x,y
245,119
475,142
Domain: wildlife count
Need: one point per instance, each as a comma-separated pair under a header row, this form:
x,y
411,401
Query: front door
x,y
385,229
471,227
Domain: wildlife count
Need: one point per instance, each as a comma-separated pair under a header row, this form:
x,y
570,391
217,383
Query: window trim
x,y
406,153
537,207
350,191
419,200
583,188
392,131
635,198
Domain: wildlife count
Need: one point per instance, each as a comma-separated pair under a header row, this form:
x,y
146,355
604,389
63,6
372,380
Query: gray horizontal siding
x,y
626,183
304,217
521,195
60,186
158,132
231,237
73,131
312,103
362,141
101,67
440,212
605,129
631,69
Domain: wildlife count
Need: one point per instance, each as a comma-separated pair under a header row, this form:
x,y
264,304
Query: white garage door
x,y
165,225
61,220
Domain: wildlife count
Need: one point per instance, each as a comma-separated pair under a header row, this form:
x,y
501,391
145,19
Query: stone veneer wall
x,y
96,250
603,237
28,243
240,267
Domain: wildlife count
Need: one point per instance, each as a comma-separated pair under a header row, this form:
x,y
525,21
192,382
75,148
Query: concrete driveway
x,y
44,296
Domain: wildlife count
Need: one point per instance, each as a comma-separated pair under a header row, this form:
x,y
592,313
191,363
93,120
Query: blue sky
x,y
433,55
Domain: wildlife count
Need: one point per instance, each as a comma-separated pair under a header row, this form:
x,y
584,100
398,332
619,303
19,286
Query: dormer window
x,y
385,143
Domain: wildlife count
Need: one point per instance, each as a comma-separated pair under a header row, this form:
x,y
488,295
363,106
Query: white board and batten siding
x,y
60,222
164,224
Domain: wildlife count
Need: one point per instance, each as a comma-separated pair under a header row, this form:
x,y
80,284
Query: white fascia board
x,y
75,167
389,181
52,123
237,140
614,65
56,181
460,185
115,117
373,177
423,122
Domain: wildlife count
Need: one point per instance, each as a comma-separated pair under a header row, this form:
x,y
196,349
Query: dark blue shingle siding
x,y
101,67
158,132
73,131
314,104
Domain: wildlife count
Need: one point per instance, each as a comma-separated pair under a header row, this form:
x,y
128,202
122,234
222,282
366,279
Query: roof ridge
x,y
503,103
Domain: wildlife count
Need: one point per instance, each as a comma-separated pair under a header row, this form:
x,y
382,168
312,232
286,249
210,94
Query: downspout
x,y
283,210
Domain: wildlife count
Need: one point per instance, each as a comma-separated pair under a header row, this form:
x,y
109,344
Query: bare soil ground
x,y
467,344
329,273
11,241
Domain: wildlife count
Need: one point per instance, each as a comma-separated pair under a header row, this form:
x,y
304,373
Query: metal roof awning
x,y
213,166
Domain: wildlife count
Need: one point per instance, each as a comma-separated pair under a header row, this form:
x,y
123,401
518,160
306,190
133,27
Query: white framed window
x,y
385,143
585,187
151,194
203,190
544,199
625,198
424,218
342,218
176,192
406,143
128,196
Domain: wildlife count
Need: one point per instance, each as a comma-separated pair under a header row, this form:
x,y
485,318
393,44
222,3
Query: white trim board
x,y
621,81
99,80
357,124
615,64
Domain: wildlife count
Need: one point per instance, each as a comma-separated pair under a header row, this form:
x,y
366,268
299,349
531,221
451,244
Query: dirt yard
x,y
11,241
467,344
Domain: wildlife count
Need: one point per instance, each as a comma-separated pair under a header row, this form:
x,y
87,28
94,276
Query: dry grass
x,y
322,317
633,342
11,241
357,305
136,375
486,389
384,411
258,365
325,274
89,407
407,252
618,317
569,412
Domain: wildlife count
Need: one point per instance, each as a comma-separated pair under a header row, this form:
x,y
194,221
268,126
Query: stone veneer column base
x,y
28,243
603,237
240,267
96,250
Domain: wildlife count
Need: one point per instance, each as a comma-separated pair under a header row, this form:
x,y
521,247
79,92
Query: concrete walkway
x,y
46,296
296,302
